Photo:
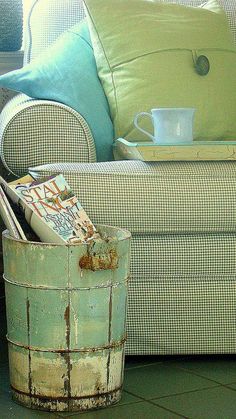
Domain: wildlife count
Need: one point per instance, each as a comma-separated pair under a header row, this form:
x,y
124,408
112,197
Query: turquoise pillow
x,y
66,72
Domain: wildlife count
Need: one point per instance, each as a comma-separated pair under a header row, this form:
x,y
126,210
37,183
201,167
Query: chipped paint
x,y
66,341
76,322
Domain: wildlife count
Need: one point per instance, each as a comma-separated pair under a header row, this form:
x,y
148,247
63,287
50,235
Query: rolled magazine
x,y
51,209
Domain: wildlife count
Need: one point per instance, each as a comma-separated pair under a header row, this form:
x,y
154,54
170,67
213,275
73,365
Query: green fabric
x,y
66,72
146,54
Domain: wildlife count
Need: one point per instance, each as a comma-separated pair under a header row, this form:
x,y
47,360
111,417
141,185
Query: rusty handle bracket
x,y
99,261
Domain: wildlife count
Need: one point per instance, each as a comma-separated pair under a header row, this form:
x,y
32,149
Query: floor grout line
x,y
173,394
115,406
200,375
155,404
142,366
228,386
168,410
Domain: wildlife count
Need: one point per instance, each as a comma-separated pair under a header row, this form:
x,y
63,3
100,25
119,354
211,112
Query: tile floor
x,y
171,387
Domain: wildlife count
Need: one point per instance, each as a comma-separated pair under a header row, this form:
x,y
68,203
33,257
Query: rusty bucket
x,y
66,315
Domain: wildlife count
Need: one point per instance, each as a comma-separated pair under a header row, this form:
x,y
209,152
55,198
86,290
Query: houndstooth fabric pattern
x,y
182,291
182,295
54,16
5,96
160,197
38,132
180,256
182,314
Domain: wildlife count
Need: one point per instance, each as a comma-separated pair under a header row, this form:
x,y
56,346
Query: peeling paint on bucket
x,y
66,321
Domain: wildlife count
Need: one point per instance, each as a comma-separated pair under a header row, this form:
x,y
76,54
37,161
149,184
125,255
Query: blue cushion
x,y
66,72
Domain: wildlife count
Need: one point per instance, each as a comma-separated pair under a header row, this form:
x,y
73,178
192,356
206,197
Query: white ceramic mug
x,y
171,125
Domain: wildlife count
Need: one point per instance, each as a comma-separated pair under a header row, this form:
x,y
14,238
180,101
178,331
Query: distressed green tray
x,y
198,150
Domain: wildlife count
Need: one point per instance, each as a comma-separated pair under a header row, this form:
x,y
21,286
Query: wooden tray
x,y
198,150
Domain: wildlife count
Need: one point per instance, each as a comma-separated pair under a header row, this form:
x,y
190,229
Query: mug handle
x,y
136,118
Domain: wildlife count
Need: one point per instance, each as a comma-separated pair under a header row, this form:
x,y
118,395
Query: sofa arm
x,y
34,132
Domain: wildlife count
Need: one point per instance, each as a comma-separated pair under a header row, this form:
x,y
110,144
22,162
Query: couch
x,y
182,217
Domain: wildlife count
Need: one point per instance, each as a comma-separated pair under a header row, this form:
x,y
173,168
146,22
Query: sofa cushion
x,y
149,55
155,198
66,72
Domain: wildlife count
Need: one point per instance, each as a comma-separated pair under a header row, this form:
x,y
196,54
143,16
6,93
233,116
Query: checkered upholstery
x,y
157,198
54,16
183,223
182,315
33,131
36,131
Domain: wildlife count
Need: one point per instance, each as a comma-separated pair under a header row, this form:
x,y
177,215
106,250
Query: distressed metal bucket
x,y
66,315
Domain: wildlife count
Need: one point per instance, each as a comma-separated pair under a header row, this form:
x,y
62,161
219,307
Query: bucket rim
x,y
127,236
